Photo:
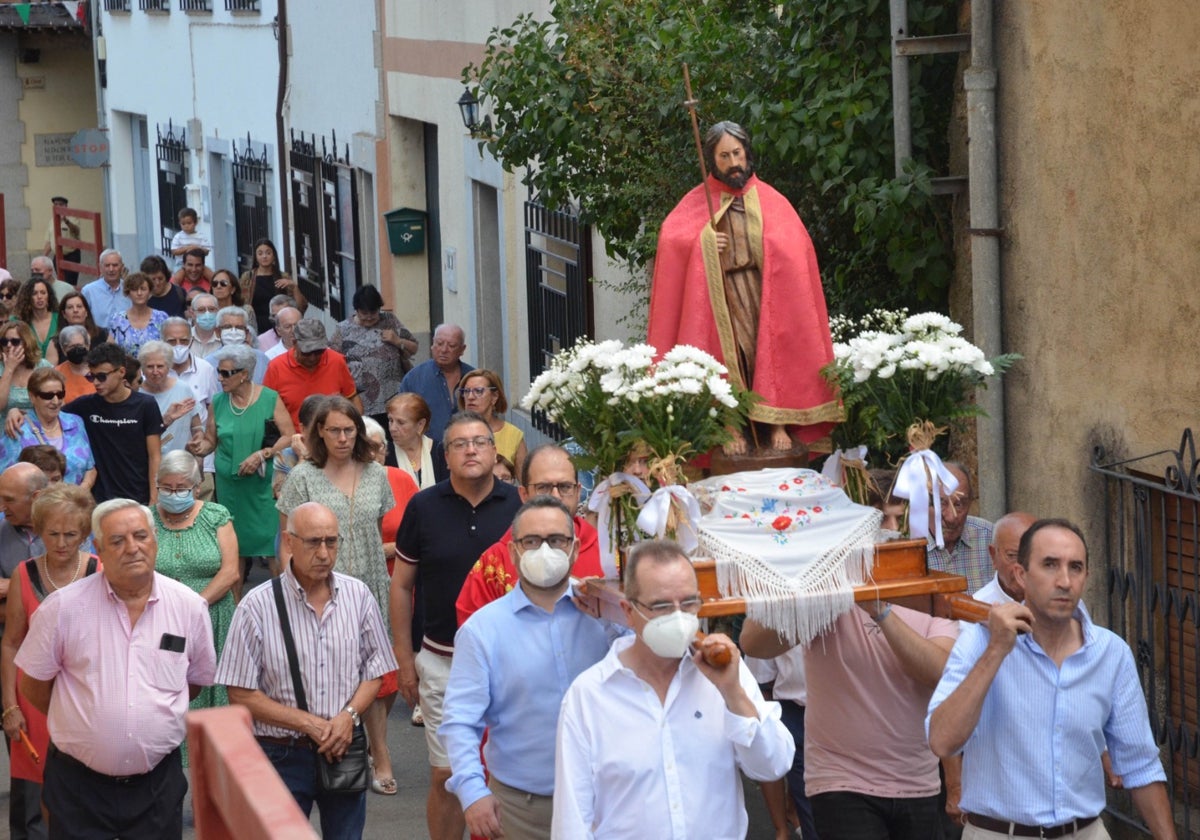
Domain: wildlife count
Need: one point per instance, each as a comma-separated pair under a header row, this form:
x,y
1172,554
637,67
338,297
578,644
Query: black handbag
x,y
351,774
271,433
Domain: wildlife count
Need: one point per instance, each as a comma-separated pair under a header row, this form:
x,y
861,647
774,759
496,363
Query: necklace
x,y
50,580
233,403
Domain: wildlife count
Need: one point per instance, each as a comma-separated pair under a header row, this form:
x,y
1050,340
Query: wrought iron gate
x,y
558,273
171,153
251,177
1152,548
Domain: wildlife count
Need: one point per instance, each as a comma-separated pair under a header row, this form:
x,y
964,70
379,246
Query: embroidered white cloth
x,y
790,543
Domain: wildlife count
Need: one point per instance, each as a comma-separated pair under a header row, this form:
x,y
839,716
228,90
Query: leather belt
x,y
1018,830
302,742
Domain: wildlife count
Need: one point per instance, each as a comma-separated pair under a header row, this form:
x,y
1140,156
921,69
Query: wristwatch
x,y
353,714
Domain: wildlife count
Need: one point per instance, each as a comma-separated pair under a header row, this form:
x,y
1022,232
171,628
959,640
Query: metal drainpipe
x,y
979,81
901,119
285,215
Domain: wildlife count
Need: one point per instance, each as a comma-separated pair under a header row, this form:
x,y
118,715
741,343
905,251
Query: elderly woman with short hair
x,y
247,426
176,401
46,424
198,547
235,330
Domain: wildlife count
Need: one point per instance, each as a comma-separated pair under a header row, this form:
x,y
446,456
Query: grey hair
x,y
240,354
106,252
67,333
281,300
113,506
155,348
374,430
714,136
204,295
239,312
175,321
47,262
179,462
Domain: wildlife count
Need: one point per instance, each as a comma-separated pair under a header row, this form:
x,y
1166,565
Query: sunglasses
x,y
221,284
11,342
101,377
50,395
225,374
7,295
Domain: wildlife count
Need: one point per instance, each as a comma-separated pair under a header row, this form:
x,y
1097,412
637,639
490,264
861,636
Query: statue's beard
x,y
735,176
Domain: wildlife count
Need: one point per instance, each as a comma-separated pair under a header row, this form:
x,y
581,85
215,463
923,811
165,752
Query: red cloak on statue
x,y
687,303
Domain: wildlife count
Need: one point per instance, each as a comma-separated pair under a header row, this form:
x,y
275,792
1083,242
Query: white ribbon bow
x,y
911,484
833,464
653,518
600,501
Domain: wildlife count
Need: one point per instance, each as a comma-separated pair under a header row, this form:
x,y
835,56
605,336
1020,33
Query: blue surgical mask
x,y
206,320
176,502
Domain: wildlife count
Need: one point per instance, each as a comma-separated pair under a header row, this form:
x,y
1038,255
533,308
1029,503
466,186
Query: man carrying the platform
x,y
966,538
868,770
747,291
651,738
513,661
1032,713
548,471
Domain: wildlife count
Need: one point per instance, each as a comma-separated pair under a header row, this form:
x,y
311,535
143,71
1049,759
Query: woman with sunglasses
x,y
482,391
45,424
228,292
73,310
37,307
237,431
341,473
8,297
19,357
264,280
139,323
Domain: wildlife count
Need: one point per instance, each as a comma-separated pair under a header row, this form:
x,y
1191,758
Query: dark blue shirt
x,y
428,381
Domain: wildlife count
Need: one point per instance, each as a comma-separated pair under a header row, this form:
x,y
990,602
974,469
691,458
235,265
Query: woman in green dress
x,y
247,426
197,546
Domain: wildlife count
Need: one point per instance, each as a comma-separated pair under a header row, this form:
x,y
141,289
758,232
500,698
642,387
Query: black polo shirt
x,y
443,535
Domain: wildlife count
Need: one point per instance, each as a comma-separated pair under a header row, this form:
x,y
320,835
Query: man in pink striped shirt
x,y
113,659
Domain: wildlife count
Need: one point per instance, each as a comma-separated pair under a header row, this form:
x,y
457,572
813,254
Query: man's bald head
x,y
19,484
309,515
1006,539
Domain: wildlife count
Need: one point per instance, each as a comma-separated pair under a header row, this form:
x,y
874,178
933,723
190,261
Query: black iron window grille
x,y
558,271
116,5
195,6
251,178
171,152
242,6
154,5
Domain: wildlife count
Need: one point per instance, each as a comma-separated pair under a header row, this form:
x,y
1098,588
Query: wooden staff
x,y
690,103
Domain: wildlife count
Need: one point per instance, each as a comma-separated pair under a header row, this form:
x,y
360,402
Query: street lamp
x,y
468,105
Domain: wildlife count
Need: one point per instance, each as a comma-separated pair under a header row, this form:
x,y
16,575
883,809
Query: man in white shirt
x,y
1004,586
651,738
201,377
285,328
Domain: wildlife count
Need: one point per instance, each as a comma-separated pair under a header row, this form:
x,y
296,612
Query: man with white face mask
x,y
513,661
651,739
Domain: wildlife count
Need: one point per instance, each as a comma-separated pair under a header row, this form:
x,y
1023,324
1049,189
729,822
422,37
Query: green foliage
x,y
590,102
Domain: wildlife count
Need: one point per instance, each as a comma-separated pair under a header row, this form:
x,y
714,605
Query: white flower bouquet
x,y
894,369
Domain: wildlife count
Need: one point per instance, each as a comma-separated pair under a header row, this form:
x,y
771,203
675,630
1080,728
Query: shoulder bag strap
x,y
290,644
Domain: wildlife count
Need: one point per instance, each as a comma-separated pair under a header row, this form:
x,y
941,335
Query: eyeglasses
x,y
315,543
341,432
225,374
50,395
659,608
12,342
476,392
461,444
7,295
532,542
100,377
545,488
221,284
178,342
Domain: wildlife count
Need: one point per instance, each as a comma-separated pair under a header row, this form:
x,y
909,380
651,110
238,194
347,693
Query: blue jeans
x,y
793,719
841,815
343,815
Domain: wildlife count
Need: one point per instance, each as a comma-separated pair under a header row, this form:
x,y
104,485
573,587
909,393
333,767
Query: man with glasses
x,y
268,340
124,429
435,380
548,471
444,531
106,295
341,647
285,329
205,340
651,739
1005,586
966,538
310,368
513,662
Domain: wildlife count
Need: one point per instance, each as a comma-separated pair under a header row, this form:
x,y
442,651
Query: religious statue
x,y
740,281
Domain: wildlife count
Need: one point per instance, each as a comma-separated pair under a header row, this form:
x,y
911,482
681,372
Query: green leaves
x,y
592,102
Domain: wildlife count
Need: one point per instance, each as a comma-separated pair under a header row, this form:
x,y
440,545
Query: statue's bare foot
x,y
736,446
781,441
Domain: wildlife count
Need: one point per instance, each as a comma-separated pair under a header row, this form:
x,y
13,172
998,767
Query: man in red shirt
x,y
310,368
548,471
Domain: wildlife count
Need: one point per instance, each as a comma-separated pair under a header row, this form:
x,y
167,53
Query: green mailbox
x,y
406,230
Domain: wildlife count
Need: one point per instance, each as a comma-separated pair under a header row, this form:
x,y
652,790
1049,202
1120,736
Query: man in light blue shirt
x,y
513,661
105,294
1032,713
436,380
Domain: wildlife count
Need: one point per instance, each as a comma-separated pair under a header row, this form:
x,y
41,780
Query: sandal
x,y
384,787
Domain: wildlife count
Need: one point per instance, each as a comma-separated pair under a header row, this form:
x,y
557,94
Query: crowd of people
x,y
159,442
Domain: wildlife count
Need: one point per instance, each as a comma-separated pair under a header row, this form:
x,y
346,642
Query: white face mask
x,y
669,636
545,567
179,353
233,335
